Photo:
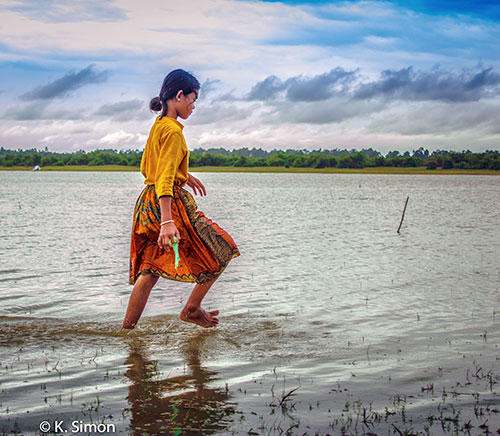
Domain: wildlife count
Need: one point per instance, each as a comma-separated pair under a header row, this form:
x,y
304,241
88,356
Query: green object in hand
x,y
176,251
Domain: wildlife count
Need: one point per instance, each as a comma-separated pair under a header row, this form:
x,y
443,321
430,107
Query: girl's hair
x,y
176,80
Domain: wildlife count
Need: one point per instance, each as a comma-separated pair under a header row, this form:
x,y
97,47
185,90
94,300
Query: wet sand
x,y
247,375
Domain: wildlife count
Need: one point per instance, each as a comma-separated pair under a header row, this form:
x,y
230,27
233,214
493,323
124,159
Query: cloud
x,y
405,84
340,96
320,87
332,111
34,111
121,108
304,88
60,11
268,89
38,111
72,135
216,113
208,86
118,137
409,85
426,118
238,41
64,85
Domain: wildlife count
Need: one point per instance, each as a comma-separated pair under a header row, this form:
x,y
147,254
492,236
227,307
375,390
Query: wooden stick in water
x,y
402,216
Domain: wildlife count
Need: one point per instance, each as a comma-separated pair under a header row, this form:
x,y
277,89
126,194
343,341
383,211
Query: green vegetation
x,y
366,170
120,168
45,158
210,169
276,160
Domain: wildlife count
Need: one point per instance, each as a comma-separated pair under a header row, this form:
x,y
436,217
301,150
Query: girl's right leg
x,y
138,299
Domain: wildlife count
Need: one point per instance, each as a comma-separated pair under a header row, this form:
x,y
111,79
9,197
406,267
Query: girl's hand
x,y
196,185
168,233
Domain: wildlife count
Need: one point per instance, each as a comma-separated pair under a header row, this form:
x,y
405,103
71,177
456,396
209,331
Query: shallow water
x,y
380,332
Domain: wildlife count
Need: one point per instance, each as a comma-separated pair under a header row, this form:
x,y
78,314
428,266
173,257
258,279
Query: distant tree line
x,y
256,157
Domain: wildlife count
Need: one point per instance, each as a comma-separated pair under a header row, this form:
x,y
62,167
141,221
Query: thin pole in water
x,y
403,216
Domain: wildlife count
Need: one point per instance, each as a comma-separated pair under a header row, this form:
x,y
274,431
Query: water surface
x,y
379,332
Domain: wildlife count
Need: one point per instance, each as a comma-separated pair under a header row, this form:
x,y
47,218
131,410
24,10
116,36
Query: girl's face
x,y
186,104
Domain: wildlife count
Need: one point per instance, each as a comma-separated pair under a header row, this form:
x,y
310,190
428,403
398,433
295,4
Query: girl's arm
x,y
168,232
196,185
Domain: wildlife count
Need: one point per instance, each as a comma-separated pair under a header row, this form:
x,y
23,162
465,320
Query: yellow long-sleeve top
x,y
166,156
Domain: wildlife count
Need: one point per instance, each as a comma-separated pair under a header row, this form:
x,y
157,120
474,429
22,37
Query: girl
x,y
165,213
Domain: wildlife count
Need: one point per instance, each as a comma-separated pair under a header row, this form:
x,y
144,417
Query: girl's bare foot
x,y
197,315
127,325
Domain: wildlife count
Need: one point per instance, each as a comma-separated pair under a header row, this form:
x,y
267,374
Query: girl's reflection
x,y
176,405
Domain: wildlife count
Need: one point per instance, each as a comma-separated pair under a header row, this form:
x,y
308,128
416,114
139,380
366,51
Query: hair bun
x,y
155,104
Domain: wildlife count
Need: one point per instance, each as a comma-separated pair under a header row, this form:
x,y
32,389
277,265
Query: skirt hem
x,y
201,278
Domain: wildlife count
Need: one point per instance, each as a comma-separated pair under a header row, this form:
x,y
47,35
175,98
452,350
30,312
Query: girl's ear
x,y
179,94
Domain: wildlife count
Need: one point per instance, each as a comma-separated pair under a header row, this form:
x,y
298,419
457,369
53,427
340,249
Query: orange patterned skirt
x,y
205,249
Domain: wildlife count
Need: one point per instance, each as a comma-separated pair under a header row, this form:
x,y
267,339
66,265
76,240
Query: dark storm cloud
x,y
393,85
304,88
409,85
320,87
64,85
268,89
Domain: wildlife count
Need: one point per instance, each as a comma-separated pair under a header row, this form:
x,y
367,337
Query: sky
x,y
391,75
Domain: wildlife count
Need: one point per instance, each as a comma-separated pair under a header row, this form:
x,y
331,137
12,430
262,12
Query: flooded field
x,y
331,322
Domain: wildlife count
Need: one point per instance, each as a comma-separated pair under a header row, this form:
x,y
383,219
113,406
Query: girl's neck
x,y
171,113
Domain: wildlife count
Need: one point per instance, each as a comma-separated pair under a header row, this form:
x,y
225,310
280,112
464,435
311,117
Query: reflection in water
x,y
181,404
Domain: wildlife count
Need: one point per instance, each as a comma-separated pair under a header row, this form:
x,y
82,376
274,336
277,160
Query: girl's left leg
x,y
138,299
193,312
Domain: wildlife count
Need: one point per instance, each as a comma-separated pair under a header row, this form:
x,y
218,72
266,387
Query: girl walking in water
x,y
166,214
